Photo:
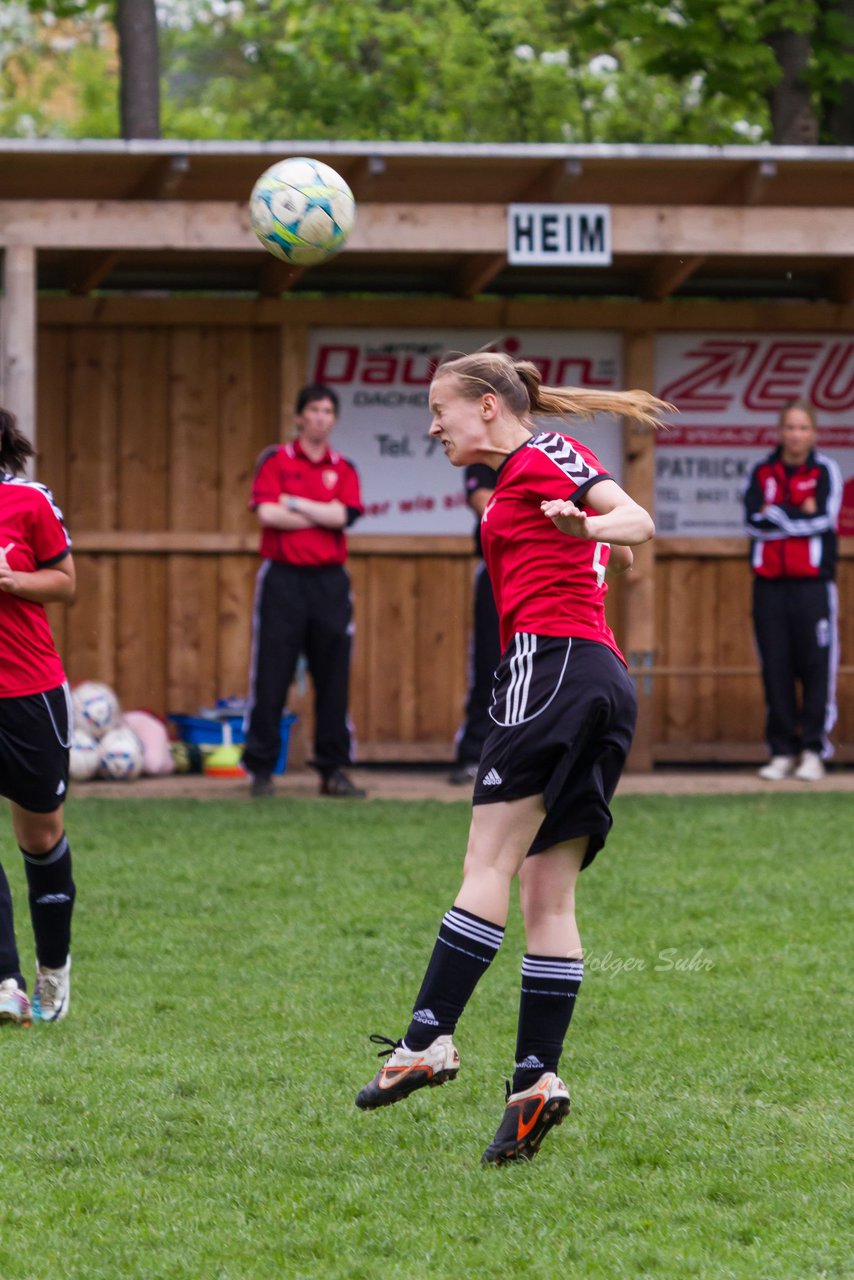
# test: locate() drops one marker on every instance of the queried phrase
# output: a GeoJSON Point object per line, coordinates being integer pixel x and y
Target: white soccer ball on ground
{"type": "Point", "coordinates": [82, 756]}
{"type": "Point", "coordinates": [120, 755]}
{"type": "Point", "coordinates": [301, 210]}
{"type": "Point", "coordinates": [96, 708]}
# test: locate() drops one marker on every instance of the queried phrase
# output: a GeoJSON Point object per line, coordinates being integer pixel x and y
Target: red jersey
{"type": "Point", "coordinates": [545, 581]}
{"type": "Point", "coordinates": [287, 469]}
{"type": "Point", "coordinates": [34, 536]}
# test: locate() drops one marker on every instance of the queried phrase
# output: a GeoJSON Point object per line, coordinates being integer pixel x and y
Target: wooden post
{"type": "Point", "coordinates": [639, 481]}
{"type": "Point", "coordinates": [18, 337]}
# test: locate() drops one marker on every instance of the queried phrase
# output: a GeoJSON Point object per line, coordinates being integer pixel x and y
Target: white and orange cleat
{"type": "Point", "coordinates": [407, 1070]}
{"type": "Point", "coordinates": [528, 1116]}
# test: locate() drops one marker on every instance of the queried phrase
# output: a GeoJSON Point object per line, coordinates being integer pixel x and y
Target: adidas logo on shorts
{"type": "Point", "coordinates": [492, 779]}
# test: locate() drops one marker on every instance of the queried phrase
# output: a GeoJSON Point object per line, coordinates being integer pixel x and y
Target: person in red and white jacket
{"type": "Point", "coordinates": [792, 502]}
{"type": "Point", "coordinates": [36, 568]}
{"type": "Point", "coordinates": [563, 712]}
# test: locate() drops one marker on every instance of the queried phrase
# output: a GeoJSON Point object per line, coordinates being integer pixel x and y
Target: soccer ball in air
{"type": "Point", "coordinates": [82, 756]}
{"type": "Point", "coordinates": [302, 210]}
{"type": "Point", "coordinates": [96, 708]}
{"type": "Point", "coordinates": [120, 755]}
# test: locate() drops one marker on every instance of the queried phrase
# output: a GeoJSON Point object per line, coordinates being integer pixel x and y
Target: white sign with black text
{"type": "Point", "coordinates": [550, 235]}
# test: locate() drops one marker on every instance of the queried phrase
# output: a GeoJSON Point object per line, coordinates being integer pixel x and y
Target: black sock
{"type": "Point", "coordinates": [464, 949]}
{"type": "Point", "coordinates": [51, 902]}
{"type": "Point", "coordinates": [549, 988]}
{"type": "Point", "coordinates": [10, 964]}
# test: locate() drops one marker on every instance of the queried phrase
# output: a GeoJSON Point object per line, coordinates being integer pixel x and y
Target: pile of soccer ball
{"type": "Point", "coordinates": [104, 743]}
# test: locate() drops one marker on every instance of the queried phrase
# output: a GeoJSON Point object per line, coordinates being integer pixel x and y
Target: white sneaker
{"type": "Point", "coordinates": [407, 1070]}
{"type": "Point", "coordinates": [777, 768]}
{"type": "Point", "coordinates": [14, 1004]}
{"type": "Point", "coordinates": [52, 994]}
{"type": "Point", "coordinates": [811, 767]}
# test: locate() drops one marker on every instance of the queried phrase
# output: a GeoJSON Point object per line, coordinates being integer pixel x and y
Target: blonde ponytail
{"type": "Point", "coordinates": [519, 384]}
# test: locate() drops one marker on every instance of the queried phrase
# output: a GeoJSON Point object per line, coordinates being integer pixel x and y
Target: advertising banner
{"type": "Point", "coordinates": [729, 391]}
{"type": "Point", "coordinates": [383, 377]}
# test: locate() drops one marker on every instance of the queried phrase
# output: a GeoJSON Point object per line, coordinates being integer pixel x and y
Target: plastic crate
{"type": "Point", "coordinates": [219, 727]}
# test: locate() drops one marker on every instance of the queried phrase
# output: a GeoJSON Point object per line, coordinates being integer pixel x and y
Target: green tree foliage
{"type": "Point", "coordinates": [755, 52]}
{"type": "Point", "coordinates": [697, 71]}
{"type": "Point", "coordinates": [484, 70]}
{"type": "Point", "coordinates": [58, 74]}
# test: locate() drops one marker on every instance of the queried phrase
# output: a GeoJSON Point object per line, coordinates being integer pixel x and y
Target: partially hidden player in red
{"type": "Point", "coordinates": [562, 719]}
{"type": "Point", "coordinates": [36, 568]}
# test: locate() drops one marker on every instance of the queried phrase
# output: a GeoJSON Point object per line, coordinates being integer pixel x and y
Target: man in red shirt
{"type": "Point", "coordinates": [305, 495]}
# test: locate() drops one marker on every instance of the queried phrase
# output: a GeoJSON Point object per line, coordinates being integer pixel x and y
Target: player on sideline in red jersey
{"type": "Point", "coordinates": [35, 728]}
{"type": "Point", "coordinates": [305, 495]}
{"type": "Point", "coordinates": [562, 719]}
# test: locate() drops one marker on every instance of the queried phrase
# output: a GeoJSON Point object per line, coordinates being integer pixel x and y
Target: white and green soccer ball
{"type": "Point", "coordinates": [302, 211]}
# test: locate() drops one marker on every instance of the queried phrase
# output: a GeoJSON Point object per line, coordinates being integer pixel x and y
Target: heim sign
{"type": "Point", "coordinates": [551, 235]}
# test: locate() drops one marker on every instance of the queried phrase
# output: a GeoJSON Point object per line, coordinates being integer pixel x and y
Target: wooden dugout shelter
{"type": "Point", "coordinates": [152, 348]}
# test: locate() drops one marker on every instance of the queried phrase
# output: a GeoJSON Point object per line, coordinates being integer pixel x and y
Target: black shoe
{"type": "Point", "coordinates": [337, 783]}
{"type": "Point", "coordinates": [262, 785]}
{"type": "Point", "coordinates": [463, 775]}
{"type": "Point", "coordinates": [527, 1118]}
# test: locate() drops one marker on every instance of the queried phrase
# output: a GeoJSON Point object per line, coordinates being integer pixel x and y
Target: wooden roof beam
{"type": "Point", "coordinates": [278, 277]}
{"type": "Point", "coordinates": [477, 272]}
{"type": "Point", "coordinates": [668, 274]}
{"type": "Point", "coordinates": [840, 285]}
{"type": "Point", "coordinates": [554, 183]}
{"type": "Point", "coordinates": [163, 179]}
{"type": "Point", "coordinates": [88, 271]}
{"type": "Point", "coordinates": [461, 230]}
{"type": "Point", "coordinates": [365, 171]}
{"type": "Point", "coordinates": [751, 186]}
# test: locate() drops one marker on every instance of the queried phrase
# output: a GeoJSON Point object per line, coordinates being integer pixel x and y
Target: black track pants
{"type": "Point", "coordinates": [795, 621]}
{"type": "Point", "coordinates": [300, 610]}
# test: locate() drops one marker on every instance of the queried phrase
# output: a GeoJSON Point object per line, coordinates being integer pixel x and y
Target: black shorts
{"type": "Point", "coordinates": [562, 719]}
{"type": "Point", "coordinates": [35, 734]}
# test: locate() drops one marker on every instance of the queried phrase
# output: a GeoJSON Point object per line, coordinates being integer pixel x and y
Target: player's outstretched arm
{"type": "Point", "coordinates": [615, 517]}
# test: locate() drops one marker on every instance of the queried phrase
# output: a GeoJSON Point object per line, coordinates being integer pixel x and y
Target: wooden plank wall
{"type": "Point", "coordinates": [148, 437]}
{"type": "Point", "coordinates": [148, 434]}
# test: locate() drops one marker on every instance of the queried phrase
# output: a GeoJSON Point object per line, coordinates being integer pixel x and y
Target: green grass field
{"type": "Point", "coordinates": [194, 1116]}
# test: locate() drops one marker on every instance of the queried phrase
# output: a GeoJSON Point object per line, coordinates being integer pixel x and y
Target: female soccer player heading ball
{"type": "Point", "coordinates": [562, 720]}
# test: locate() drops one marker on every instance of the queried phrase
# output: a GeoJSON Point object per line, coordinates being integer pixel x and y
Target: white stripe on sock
{"type": "Point", "coordinates": [479, 930]}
